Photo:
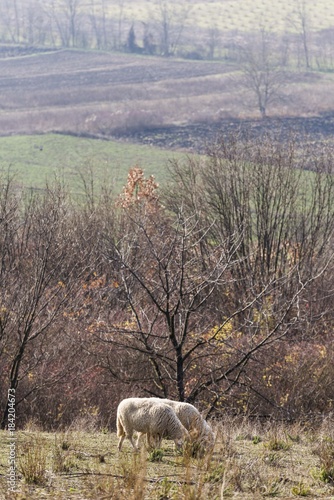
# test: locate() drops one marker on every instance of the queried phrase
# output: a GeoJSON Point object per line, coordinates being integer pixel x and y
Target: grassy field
{"type": "Point", "coordinates": [249, 461]}
{"type": "Point", "coordinates": [99, 93]}
{"type": "Point", "coordinates": [103, 94]}
{"type": "Point", "coordinates": [34, 159]}
{"type": "Point", "coordinates": [243, 15]}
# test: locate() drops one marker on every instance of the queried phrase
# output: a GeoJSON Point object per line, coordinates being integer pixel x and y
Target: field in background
{"type": "Point", "coordinates": [241, 15]}
{"type": "Point", "coordinates": [103, 94]}
{"type": "Point", "coordinates": [48, 84]}
{"type": "Point", "coordinates": [34, 159]}
{"type": "Point", "coordinates": [250, 460]}
{"type": "Point", "coordinates": [98, 92]}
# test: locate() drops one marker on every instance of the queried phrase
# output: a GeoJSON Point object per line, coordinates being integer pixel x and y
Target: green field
{"type": "Point", "coordinates": [35, 159]}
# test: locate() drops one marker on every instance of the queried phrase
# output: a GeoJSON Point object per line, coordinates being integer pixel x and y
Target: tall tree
{"type": "Point", "coordinates": [170, 22]}
{"type": "Point", "coordinates": [41, 272]}
{"type": "Point", "coordinates": [200, 298]}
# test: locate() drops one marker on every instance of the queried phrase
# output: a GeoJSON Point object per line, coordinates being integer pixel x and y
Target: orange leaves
{"type": "Point", "coordinates": [138, 189]}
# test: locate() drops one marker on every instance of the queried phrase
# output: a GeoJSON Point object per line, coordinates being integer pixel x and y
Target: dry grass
{"type": "Point", "coordinates": [250, 460]}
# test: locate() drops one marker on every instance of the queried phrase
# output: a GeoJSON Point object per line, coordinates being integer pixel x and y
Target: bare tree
{"type": "Point", "coordinates": [213, 41]}
{"type": "Point", "coordinates": [284, 258]}
{"type": "Point", "coordinates": [170, 21]}
{"type": "Point", "coordinates": [66, 17]}
{"type": "Point", "coordinates": [98, 20]}
{"type": "Point", "coordinates": [12, 23]}
{"type": "Point", "coordinates": [35, 24]}
{"type": "Point", "coordinates": [41, 272]}
{"type": "Point", "coordinates": [263, 71]}
{"type": "Point", "coordinates": [120, 21]}
{"type": "Point", "coordinates": [259, 186]}
{"type": "Point", "coordinates": [300, 21]}
{"type": "Point", "coordinates": [197, 307]}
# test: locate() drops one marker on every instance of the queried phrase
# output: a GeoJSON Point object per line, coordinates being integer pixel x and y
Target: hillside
{"type": "Point", "coordinates": [102, 94]}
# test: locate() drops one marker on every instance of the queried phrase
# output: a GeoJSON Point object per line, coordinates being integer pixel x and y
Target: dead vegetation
{"type": "Point", "coordinates": [250, 459]}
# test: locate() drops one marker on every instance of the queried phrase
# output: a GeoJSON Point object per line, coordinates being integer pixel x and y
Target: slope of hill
{"type": "Point", "coordinates": [106, 94]}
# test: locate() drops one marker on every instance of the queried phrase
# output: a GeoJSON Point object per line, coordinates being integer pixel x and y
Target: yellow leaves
{"type": "Point", "coordinates": [3, 314]}
{"type": "Point", "coordinates": [268, 380]}
{"type": "Point", "coordinates": [284, 399]}
{"type": "Point", "coordinates": [88, 410]}
{"type": "Point", "coordinates": [289, 358]}
{"type": "Point", "coordinates": [322, 351]}
{"type": "Point", "coordinates": [97, 283]}
{"type": "Point", "coordinates": [221, 332]}
{"type": "Point", "coordinates": [96, 326]}
{"type": "Point", "coordinates": [264, 317]}
{"type": "Point", "coordinates": [126, 325]}
{"type": "Point", "coordinates": [60, 411]}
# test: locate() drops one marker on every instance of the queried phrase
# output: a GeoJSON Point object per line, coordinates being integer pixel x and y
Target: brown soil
{"type": "Point", "coordinates": [198, 136]}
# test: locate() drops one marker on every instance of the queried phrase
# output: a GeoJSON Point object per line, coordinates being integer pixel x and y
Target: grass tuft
{"type": "Point", "coordinates": [32, 462]}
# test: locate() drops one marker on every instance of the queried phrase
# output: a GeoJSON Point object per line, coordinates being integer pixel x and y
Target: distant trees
{"type": "Point", "coordinates": [163, 30]}
{"type": "Point", "coordinates": [170, 21]}
{"type": "Point", "coordinates": [300, 20]}
{"type": "Point", "coordinates": [263, 71]}
{"type": "Point", "coordinates": [11, 19]}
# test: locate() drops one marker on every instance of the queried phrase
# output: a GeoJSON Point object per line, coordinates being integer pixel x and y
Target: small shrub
{"type": "Point", "coordinates": [156, 455]}
{"type": "Point", "coordinates": [32, 425]}
{"type": "Point", "coordinates": [194, 449]}
{"type": "Point", "coordinates": [63, 461]}
{"type": "Point", "coordinates": [294, 439]}
{"type": "Point", "coordinates": [273, 459]}
{"type": "Point", "coordinates": [65, 445]}
{"type": "Point", "coordinates": [300, 490]}
{"type": "Point", "coordinates": [325, 451]}
{"type": "Point", "coordinates": [133, 471]}
{"type": "Point", "coordinates": [32, 463]}
{"type": "Point", "coordinates": [272, 489]}
{"type": "Point", "coordinates": [256, 440]}
{"type": "Point", "coordinates": [276, 443]}
{"type": "Point", "coordinates": [216, 474]}
{"type": "Point", "coordinates": [166, 487]}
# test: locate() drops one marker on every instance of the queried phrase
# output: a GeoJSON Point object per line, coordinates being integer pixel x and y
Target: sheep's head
{"type": "Point", "coordinates": [182, 442]}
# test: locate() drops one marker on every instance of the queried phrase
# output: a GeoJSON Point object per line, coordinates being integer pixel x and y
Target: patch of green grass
{"type": "Point", "coordinates": [156, 455]}
{"type": "Point", "coordinates": [38, 158]}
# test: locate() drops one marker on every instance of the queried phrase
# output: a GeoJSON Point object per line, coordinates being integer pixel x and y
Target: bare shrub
{"type": "Point", "coordinates": [33, 460]}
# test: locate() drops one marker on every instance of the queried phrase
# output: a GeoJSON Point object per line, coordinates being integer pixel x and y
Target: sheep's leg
{"type": "Point", "coordinates": [120, 442]}
{"type": "Point", "coordinates": [121, 439]}
{"type": "Point", "coordinates": [157, 441]}
{"type": "Point", "coordinates": [133, 444]}
{"type": "Point", "coordinates": [139, 438]}
{"type": "Point", "coordinates": [129, 436]}
{"type": "Point", "coordinates": [152, 440]}
{"type": "Point", "coordinates": [148, 440]}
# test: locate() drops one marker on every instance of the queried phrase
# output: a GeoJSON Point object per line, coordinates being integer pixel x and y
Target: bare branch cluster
{"type": "Point", "coordinates": [217, 289]}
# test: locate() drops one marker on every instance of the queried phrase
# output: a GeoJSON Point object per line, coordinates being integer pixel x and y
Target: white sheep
{"type": "Point", "coordinates": [146, 416]}
{"type": "Point", "coordinates": [199, 430]}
